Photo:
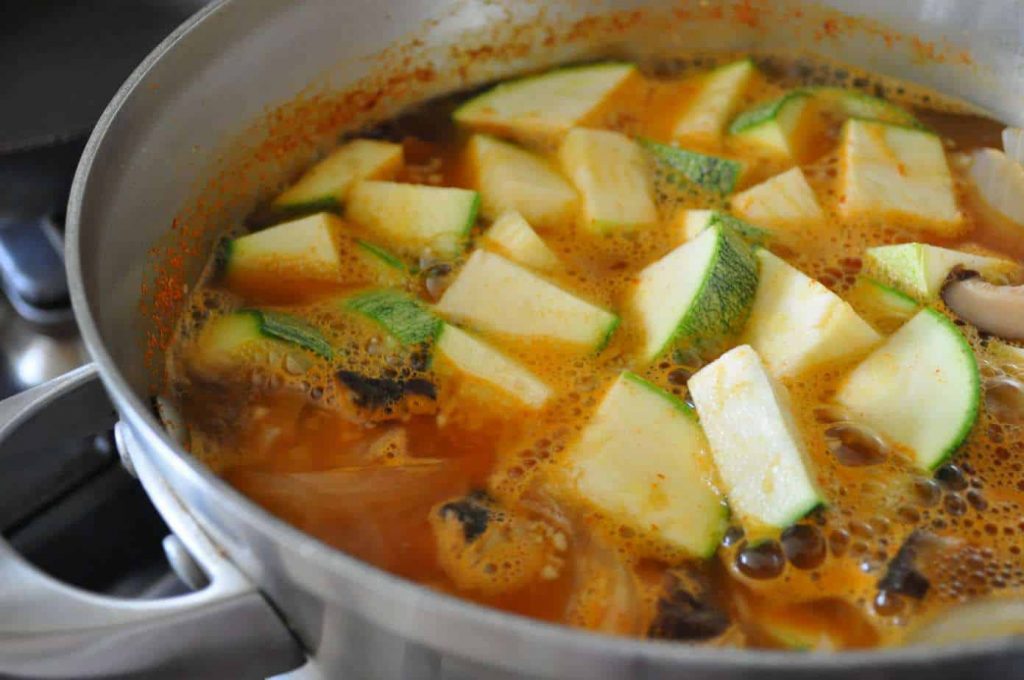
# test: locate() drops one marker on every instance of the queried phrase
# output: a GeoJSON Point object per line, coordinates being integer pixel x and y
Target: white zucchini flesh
{"type": "Point", "coordinates": [797, 324]}
{"type": "Point", "coordinates": [492, 294]}
{"type": "Point", "coordinates": [920, 389]}
{"type": "Point", "coordinates": [414, 219]}
{"type": "Point", "coordinates": [509, 177]}
{"type": "Point", "coordinates": [999, 182]}
{"type": "Point", "coordinates": [721, 91]}
{"type": "Point", "coordinates": [894, 171]}
{"type": "Point", "coordinates": [542, 107]}
{"type": "Point", "coordinates": [327, 183]}
{"type": "Point", "coordinates": [760, 456]}
{"type": "Point", "coordinates": [920, 270]}
{"type": "Point", "coordinates": [643, 461]}
{"type": "Point", "coordinates": [475, 358]}
{"type": "Point", "coordinates": [512, 236]}
{"type": "Point", "coordinates": [611, 173]}
{"type": "Point", "coordinates": [697, 296]}
{"type": "Point", "coordinates": [783, 202]}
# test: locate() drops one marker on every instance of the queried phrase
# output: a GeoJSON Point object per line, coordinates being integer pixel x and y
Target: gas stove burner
{"type": "Point", "coordinates": [32, 271]}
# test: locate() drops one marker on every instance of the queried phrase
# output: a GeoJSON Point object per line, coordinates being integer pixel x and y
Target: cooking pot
{"type": "Point", "coordinates": [232, 104]}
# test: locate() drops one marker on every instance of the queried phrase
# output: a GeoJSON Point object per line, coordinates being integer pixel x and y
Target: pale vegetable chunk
{"type": "Point", "coordinates": [326, 184]}
{"type": "Point", "coordinates": [919, 269]}
{"type": "Point", "coordinates": [920, 389]}
{"type": "Point", "coordinates": [296, 253]}
{"type": "Point", "coordinates": [511, 178]}
{"type": "Point", "coordinates": [492, 294]}
{"type": "Point", "coordinates": [611, 174]}
{"type": "Point", "coordinates": [883, 303]}
{"type": "Point", "coordinates": [688, 224]}
{"type": "Point", "coordinates": [512, 236]}
{"type": "Point", "coordinates": [1013, 143]}
{"type": "Point", "coordinates": [757, 448]}
{"type": "Point", "coordinates": [475, 358]}
{"type": "Point", "coordinates": [412, 218]}
{"type": "Point", "coordinates": [893, 171]}
{"type": "Point", "coordinates": [721, 91]}
{"type": "Point", "coordinates": [542, 107]}
{"type": "Point", "coordinates": [643, 461]}
{"type": "Point", "coordinates": [773, 125]}
{"type": "Point", "coordinates": [696, 296]}
{"type": "Point", "coordinates": [797, 324]}
{"type": "Point", "coordinates": [784, 202]}
{"type": "Point", "coordinates": [999, 182]}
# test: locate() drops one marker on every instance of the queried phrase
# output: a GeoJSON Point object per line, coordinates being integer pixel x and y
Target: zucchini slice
{"type": "Point", "coordinates": [611, 174]}
{"type": "Point", "coordinates": [511, 178]}
{"type": "Point", "coordinates": [542, 107]}
{"type": "Point", "coordinates": [697, 296]}
{"type": "Point", "coordinates": [642, 460]}
{"type": "Point", "coordinates": [761, 459]}
{"type": "Point", "coordinates": [785, 202]}
{"type": "Point", "coordinates": [721, 91]}
{"type": "Point", "coordinates": [244, 336]}
{"type": "Point", "coordinates": [920, 389]}
{"type": "Point", "coordinates": [326, 185]}
{"type": "Point", "coordinates": [404, 317]}
{"type": "Point", "coordinates": [893, 171]}
{"type": "Point", "coordinates": [881, 303]}
{"type": "Point", "coordinates": [920, 270]}
{"type": "Point", "coordinates": [713, 174]}
{"type": "Point", "coordinates": [690, 223]}
{"type": "Point", "coordinates": [797, 324]}
{"type": "Point", "coordinates": [303, 253]}
{"type": "Point", "coordinates": [495, 295]}
{"type": "Point", "coordinates": [512, 236]}
{"type": "Point", "coordinates": [473, 357]}
{"type": "Point", "coordinates": [412, 219]}
{"type": "Point", "coordinates": [773, 125]}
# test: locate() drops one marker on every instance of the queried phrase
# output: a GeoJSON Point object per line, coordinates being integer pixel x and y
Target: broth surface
{"type": "Point", "coordinates": [401, 485]}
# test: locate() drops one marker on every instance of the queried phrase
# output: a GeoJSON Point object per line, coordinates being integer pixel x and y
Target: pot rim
{"type": "Point", "coordinates": [372, 578]}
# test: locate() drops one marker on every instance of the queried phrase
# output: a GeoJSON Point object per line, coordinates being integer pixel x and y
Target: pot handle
{"type": "Point", "coordinates": [51, 630]}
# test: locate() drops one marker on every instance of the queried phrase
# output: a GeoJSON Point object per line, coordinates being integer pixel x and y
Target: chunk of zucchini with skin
{"type": "Point", "coordinates": [404, 317]}
{"type": "Point", "coordinates": [707, 114]}
{"type": "Point", "coordinates": [512, 236]}
{"type": "Point", "coordinates": [920, 270]}
{"type": "Point", "coordinates": [780, 125]}
{"type": "Point", "coordinates": [892, 171]}
{"type": "Point", "coordinates": [697, 296]}
{"type": "Point", "coordinates": [998, 181]}
{"type": "Point", "coordinates": [920, 389]}
{"type": "Point", "coordinates": [232, 339]}
{"type": "Point", "coordinates": [475, 358]}
{"type": "Point", "coordinates": [493, 294]}
{"type": "Point", "coordinates": [773, 125]}
{"type": "Point", "coordinates": [712, 174]}
{"type": "Point", "coordinates": [761, 459]}
{"type": "Point", "coordinates": [509, 177]}
{"type": "Point", "coordinates": [303, 251]}
{"type": "Point", "coordinates": [612, 176]}
{"type": "Point", "coordinates": [326, 185]}
{"type": "Point", "coordinates": [797, 324]}
{"type": "Point", "coordinates": [542, 107]}
{"type": "Point", "coordinates": [691, 223]}
{"type": "Point", "coordinates": [413, 218]}
{"type": "Point", "coordinates": [881, 301]}
{"type": "Point", "coordinates": [642, 460]}
{"type": "Point", "coordinates": [783, 202]}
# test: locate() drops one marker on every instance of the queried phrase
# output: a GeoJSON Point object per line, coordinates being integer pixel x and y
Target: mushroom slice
{"type": "Point", "coordinates": [998, 310]}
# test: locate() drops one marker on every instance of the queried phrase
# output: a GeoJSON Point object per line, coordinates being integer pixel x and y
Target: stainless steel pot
{"type": "Point", "coordinates": [196, 108]}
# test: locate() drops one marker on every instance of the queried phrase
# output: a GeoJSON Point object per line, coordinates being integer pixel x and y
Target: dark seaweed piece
{"type": "Point", "coordinates": [221, 256]}
{"type": "Point", "coordinates": [685, 613]}
{"type": "Point", "coordinates": [384, 392]}
{"type": "Point", "coordinates": [902, 575]}
{"type": "Point", "coordinates": [472, 512]}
